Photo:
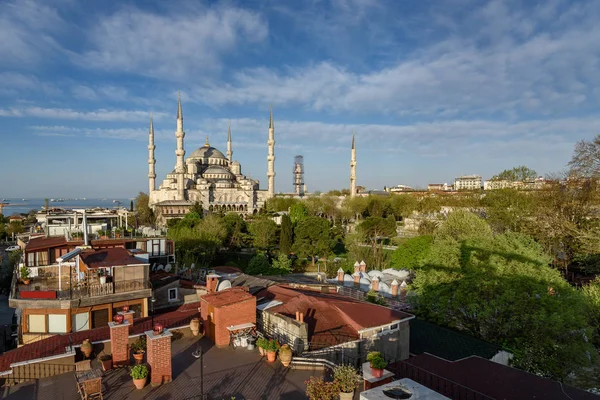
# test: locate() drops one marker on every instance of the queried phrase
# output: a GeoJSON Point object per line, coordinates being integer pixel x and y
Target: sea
{"type": "Point", "coordinates": [24, 206]}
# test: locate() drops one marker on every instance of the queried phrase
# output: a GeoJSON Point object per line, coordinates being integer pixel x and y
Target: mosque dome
{"type": "Point", "coordinates": [206, 152]}
{"type": "Point", "coordinates": [217, 172]}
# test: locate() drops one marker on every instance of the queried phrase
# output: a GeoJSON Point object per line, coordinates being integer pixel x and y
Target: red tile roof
{"type": "Point", "coordinates": [110, 257]}
{"type": "Point", "coordinates": [56, 345]}
{"type": "Point", "coordinates": [227, 297]}
{"type": "Point", "coordinates": [331, 318]}
{"type": "Point", "coordinates": [496, 380]}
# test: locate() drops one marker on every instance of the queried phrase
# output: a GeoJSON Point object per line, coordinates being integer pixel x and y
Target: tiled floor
{"type": "Point", "coordinates": [227, 373]}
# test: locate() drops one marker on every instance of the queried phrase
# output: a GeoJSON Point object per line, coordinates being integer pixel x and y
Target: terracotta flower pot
{"type": "Point", "coordinates": [118, 318]}
{"type": "Point", "coordinates": [107, 364]}
{"type": "Point", "coordinates": [377, 372]}
{"type": "Point", "coordinates": [271, 356]}
{"type": "Point", "coordinates": [86, 348]}
{"type": "Point", "coordinates": [140, 383]}
{"type": "Point", "coordinates": [138, 357]}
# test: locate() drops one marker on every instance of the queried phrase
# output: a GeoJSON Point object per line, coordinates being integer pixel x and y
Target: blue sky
{"type": "Point", "coordinates": [433, 89]}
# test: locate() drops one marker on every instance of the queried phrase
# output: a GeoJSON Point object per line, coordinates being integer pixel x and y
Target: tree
{"type": "Point", "coordinates": [412, 252]}
{"type": "Point", "coordinates": [285, 237]}
{"type": "Point", "coordinates": [517, 174]}
{"type": "Point", "coordinates": [298, 212]}
{"type": "Point", "coordinates": [377, 206]}
{"type": "Point", "coordinates": [357, 205]}
{"type": "Point", "coordinates": [283, 263]}
{"type": "Point", "coordinates": [276, 204]}
{"type": "Point", "coordinates": [236, 230]}
{"type": "Point", "coordinates": [585, 162]}
{"type": "Point", "coordinates": [461, 225]}
{"type": "Point", "coordinates": [374, 230]}
{"type": "Point", "coordinates": [198, 243]}
{"type": "Point", "coordinates": [508, 209]}
{"type": "Point", "coordinates": [131, 206]}
{"type": "Point", "coordinates": [14, 228]}
{"type": "Point", "coordinates": [402, 205]}
{"type": "Point", "coordinates": [196, 208]}
{"type": "Point", "coordinates": [2, 228]}
{"type": "Point", "coordinates": [143, 213]}
{"type": "Point", "coordinates": [263, 232]}
{"type": "Point", "coordinates": [313, 238]}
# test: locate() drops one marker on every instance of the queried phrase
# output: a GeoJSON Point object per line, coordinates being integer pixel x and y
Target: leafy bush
{"type": "Point", "coordinates": [261, 342]}
{"type": "Point", "coordinates": [139, 372]}
{"type": "Point", "coordinates": [272, 345]}
{"type": "Point", "coordinates": [139, 346]}
{"type": "Point", "coordinates": [378, 362]}
{"type": "Point", "coordinates": [318, 389]}
{"type": "Point", "coordinates": [373, 297]}
{"type": "Point", "coordinates": [346, 377]}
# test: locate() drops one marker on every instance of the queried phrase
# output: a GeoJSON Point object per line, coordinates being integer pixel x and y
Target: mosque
{"type": "Point", "coordinates": [207, 177]}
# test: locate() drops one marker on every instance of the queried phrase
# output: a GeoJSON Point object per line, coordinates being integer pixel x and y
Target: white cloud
{"type": "Point", "coordinates": [170, 45]}
{"type": "Point", "coordinates": [70, 114]}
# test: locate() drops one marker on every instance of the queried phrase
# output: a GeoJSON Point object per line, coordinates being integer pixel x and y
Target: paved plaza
{"type": "Point", "coordinates": [228, 373]}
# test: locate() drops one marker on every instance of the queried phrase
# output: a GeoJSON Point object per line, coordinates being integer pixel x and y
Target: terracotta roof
{"type": "Point", "coordinates": [40, 243]}
{"type": "Point", "coordinates": [56, 345]}
{"type": "Point", "coordinates": [110, 257]}
{"type": "Point", "coordinates": [227, 297]}
{"type": "Point", "coordinates": [496, 380]}
{"type": "Point", "coordinates": [331, 318]}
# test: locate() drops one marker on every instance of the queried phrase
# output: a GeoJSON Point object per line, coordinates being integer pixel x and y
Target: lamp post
{"type": "Point", "coordinates": [200, 354]}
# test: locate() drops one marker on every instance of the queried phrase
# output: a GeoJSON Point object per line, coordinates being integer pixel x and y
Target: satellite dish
{"type": "Point", "coordinates": [225, 284]}
{"type": "Point", "coordinates": [168, 268]}
{"type": "Point", "coordinates": [160, 267]}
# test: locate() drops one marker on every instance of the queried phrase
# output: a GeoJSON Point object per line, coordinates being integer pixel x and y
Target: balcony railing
{"type": "Point", "coordinates": [83, 290]}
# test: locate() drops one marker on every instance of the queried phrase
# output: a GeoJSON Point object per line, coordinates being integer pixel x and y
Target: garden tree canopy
{"type": "Point", "coordinates": [429, 205]}
{"type": "Point", "coordinates": [259, 265]}
{"type": "Point", "coordinates": [357, 205]}
{"type": "Point", "coordinates": [276, 204]}
{"type": "Point", "coordinates": [313, 238]}
{"type": "Point", "coordinates": [402, 205]}
{"type": "Point", "coordinates": [143, 213]}
{"type": "Point", "coordinates": [298, 212]}
{"type": "Point", "coordinates": [197, 209]}
{"type": "Point", "coordinates": [377, 206]}
{"type": "Point", "coordinates": [14, 228]}
{"type": "Point", "coordinates": [509, 209]}
{"type": "Point", "coordinates": [198, 243]}
{"type": "Point", "coordinates": [412, 252]}
{"type": "Point", "coordinates": [500, 288]}
{"type": "Point", "coordinates": [263, 231]}
{"type": "Point", "coordinates": [373, 230]}
{"type": "Point", "coordinates": [236, 230]}
{"type": "Point", "coordinates": [585, 162]}
{"type": "Point", "coordinates": [592, 294]}
{"type": "Point", "coordinates": [520, 173]}
{"type": "Point", "coordinates": [285, 236]}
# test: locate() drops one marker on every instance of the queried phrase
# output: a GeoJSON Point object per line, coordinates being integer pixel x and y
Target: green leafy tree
{"type": "Point", "coordinates": [585, 162]}
{"type": "Point", "coordinates": [282, 262]}
{"type": "Point", "coordinates": [357, 206]}
{"type": "Point", "coordinates": [377, 206]}
{"type": "Point", "coordinates": [298, 212]}
{"type": "Point", "coordinates": [509, 209]}
{"type": "Point", "coordinates": [402, 205]}
{"type": "Point", "coordinates": [143, 213]}
{"type": "Point", "coordinates": [263, 231]}
{"type": "Point", "coordinates": [313, 238]}
{"type": "Point", "coordinates": [14, 228]}
{"type": "Point", "coordinates": [373, 230]}
{"type": "Point", "coordinates": [196, 208]}
{"type": "Point", "coordinates": [461, 225]}
{"type": "Point", "coordinates": [285, 236]}
{"type": "Point", "coordinates": [198, 243]}
{"type": "Point", "coordinates": [276, 204]}
{"type": "Point", "coordinates": [236, 230]}
{"type": "Point", "coordinates": [517, 174]}
{"type": "Point", "coordinates": [258, 265]}
{"type": "Point", "coordinates": [412, 252]}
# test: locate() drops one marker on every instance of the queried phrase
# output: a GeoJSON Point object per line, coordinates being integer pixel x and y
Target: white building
{"type": "Point", "coordinates": [467, 182]}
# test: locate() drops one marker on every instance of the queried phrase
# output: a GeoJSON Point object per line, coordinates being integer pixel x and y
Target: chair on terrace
{"type": "Point", "coordinates": [92, 389]}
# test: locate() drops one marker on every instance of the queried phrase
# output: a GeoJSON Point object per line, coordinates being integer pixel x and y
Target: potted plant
{"type": "Point", "coordinates": [261, 344]}
{"type": "Point", "coordinates": [377, 363]}
{"type": "Point", "coordinates": [271, 349]}
{"type": "Point", "coordinates": [106, 360]}
{"type": "Point", "coordinates": [318, 389]}
{"type": "Point", "coordinates": [347, 379]}
{"type": "Point", "coordinates": [24, 272]}
{"type": "Point", "coordinates": [118, 232]}
{"type": "Point", "coordinates": [102, 234]}
{"type": "Point", "coordinates": [285, 355]}
{"type": "Point", "coordinates": [138, 348]}
{"type": "Point", "coordinates": [139, 373]}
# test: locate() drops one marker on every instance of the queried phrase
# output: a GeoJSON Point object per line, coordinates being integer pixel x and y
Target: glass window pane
{"type": "Point", "coordinates": [57, 323]}
{"type": "Point", "coordinates": [37, 323]}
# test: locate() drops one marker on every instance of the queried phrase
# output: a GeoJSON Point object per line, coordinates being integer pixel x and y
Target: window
{"type": "Point", "coordinates": [57, 323]}
{"type": "Point", "coordinates": [81, 322]}
{"type": "Point", "coordinates": [173, 294]}
{"type": "Point", "coordinates": [37, 323]}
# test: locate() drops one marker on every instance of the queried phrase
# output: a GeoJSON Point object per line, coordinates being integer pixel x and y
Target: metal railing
{"type": "Point", "coordinates": [435, 382]}
{"type": "Point", "coordinates": [28, 372]}
{"type": "Point", "coordinates": [94, 289]}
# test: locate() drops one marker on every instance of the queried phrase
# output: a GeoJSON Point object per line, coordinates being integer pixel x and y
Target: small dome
{"type": "Point", "coordinates": [206, 152]}
{"type": "Point", "coordinates": [217, 172]}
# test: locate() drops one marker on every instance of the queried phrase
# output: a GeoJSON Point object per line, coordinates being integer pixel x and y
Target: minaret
{"type": "Point", "coordinates": [151, 160]}
{"type": "Point", "coordinates": [271, 157]}
{"type": "Point", "coordinates": [353, 169]}
{"type": "Point", "coordinates": [180, 152]}
{"type": "Point", "coordinates": [229, 152]}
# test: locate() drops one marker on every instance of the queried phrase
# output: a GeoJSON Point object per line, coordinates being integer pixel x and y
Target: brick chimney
{"type": "Point", "coordinates": [297, 315]}
{"type": "Point", "coordinates": [212, 280]}
{"type": "Point", "coordinates": [356, 277]}
{"type": "Point", "coordinates": [356, 267]}
{"type": "Point", "coordinates": [395, 288]}
{"type": "Point", "coordinates": [158, 353]}
{"type": "Point", "coordinates": [301, 317]}
{"type": "Point", "coordinates": [363, 266]}
{"type": "Point", "coordinates": [119, 341]}
{"type": "Point", "coordinates": [403, 290]}
{"type": "Point", "coordinates": [375, 284]}
{"type": "Point", "coordinates": [340, 275]}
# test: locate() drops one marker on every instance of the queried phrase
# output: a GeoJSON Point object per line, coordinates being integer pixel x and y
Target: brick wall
{"type": "Point", "coordinates": [158, 353]}
{"type": "Point", "coordinates": [224, 316]}
{"type": "Point", "coordinates": [119, 339]}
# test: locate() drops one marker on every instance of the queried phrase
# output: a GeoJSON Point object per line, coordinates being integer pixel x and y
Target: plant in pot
{"type": "Point", "coordinates": [377, 363]}
{"type": "Point", "coordinates": [261, 343]}
{"type": "Point", "coordinates": [318, 389]}
{"type": "Point", "coordinates": [118, 232]}
{"type": "Point", "coordinates": [139, 373]}
{"type": "Point", "coordinates": [138, 348]}
{"type": "Point", "coordinates": [106, 360]}
{"type": "Point", "coordinates": [271, 349]}
{"type": "Point", "coordinates": [285, 355]}
{"type": "Point", "coordinates": [347, 379]}
{"type": "Point", "coordinates": [24, 272]}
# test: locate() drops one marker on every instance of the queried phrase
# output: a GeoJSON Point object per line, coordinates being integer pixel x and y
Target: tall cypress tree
{"type": "Point", "coordinates": [285, 238]}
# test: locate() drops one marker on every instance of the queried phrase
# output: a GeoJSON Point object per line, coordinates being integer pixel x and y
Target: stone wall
{"type": "Point", "coordinates": [285, 329]}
